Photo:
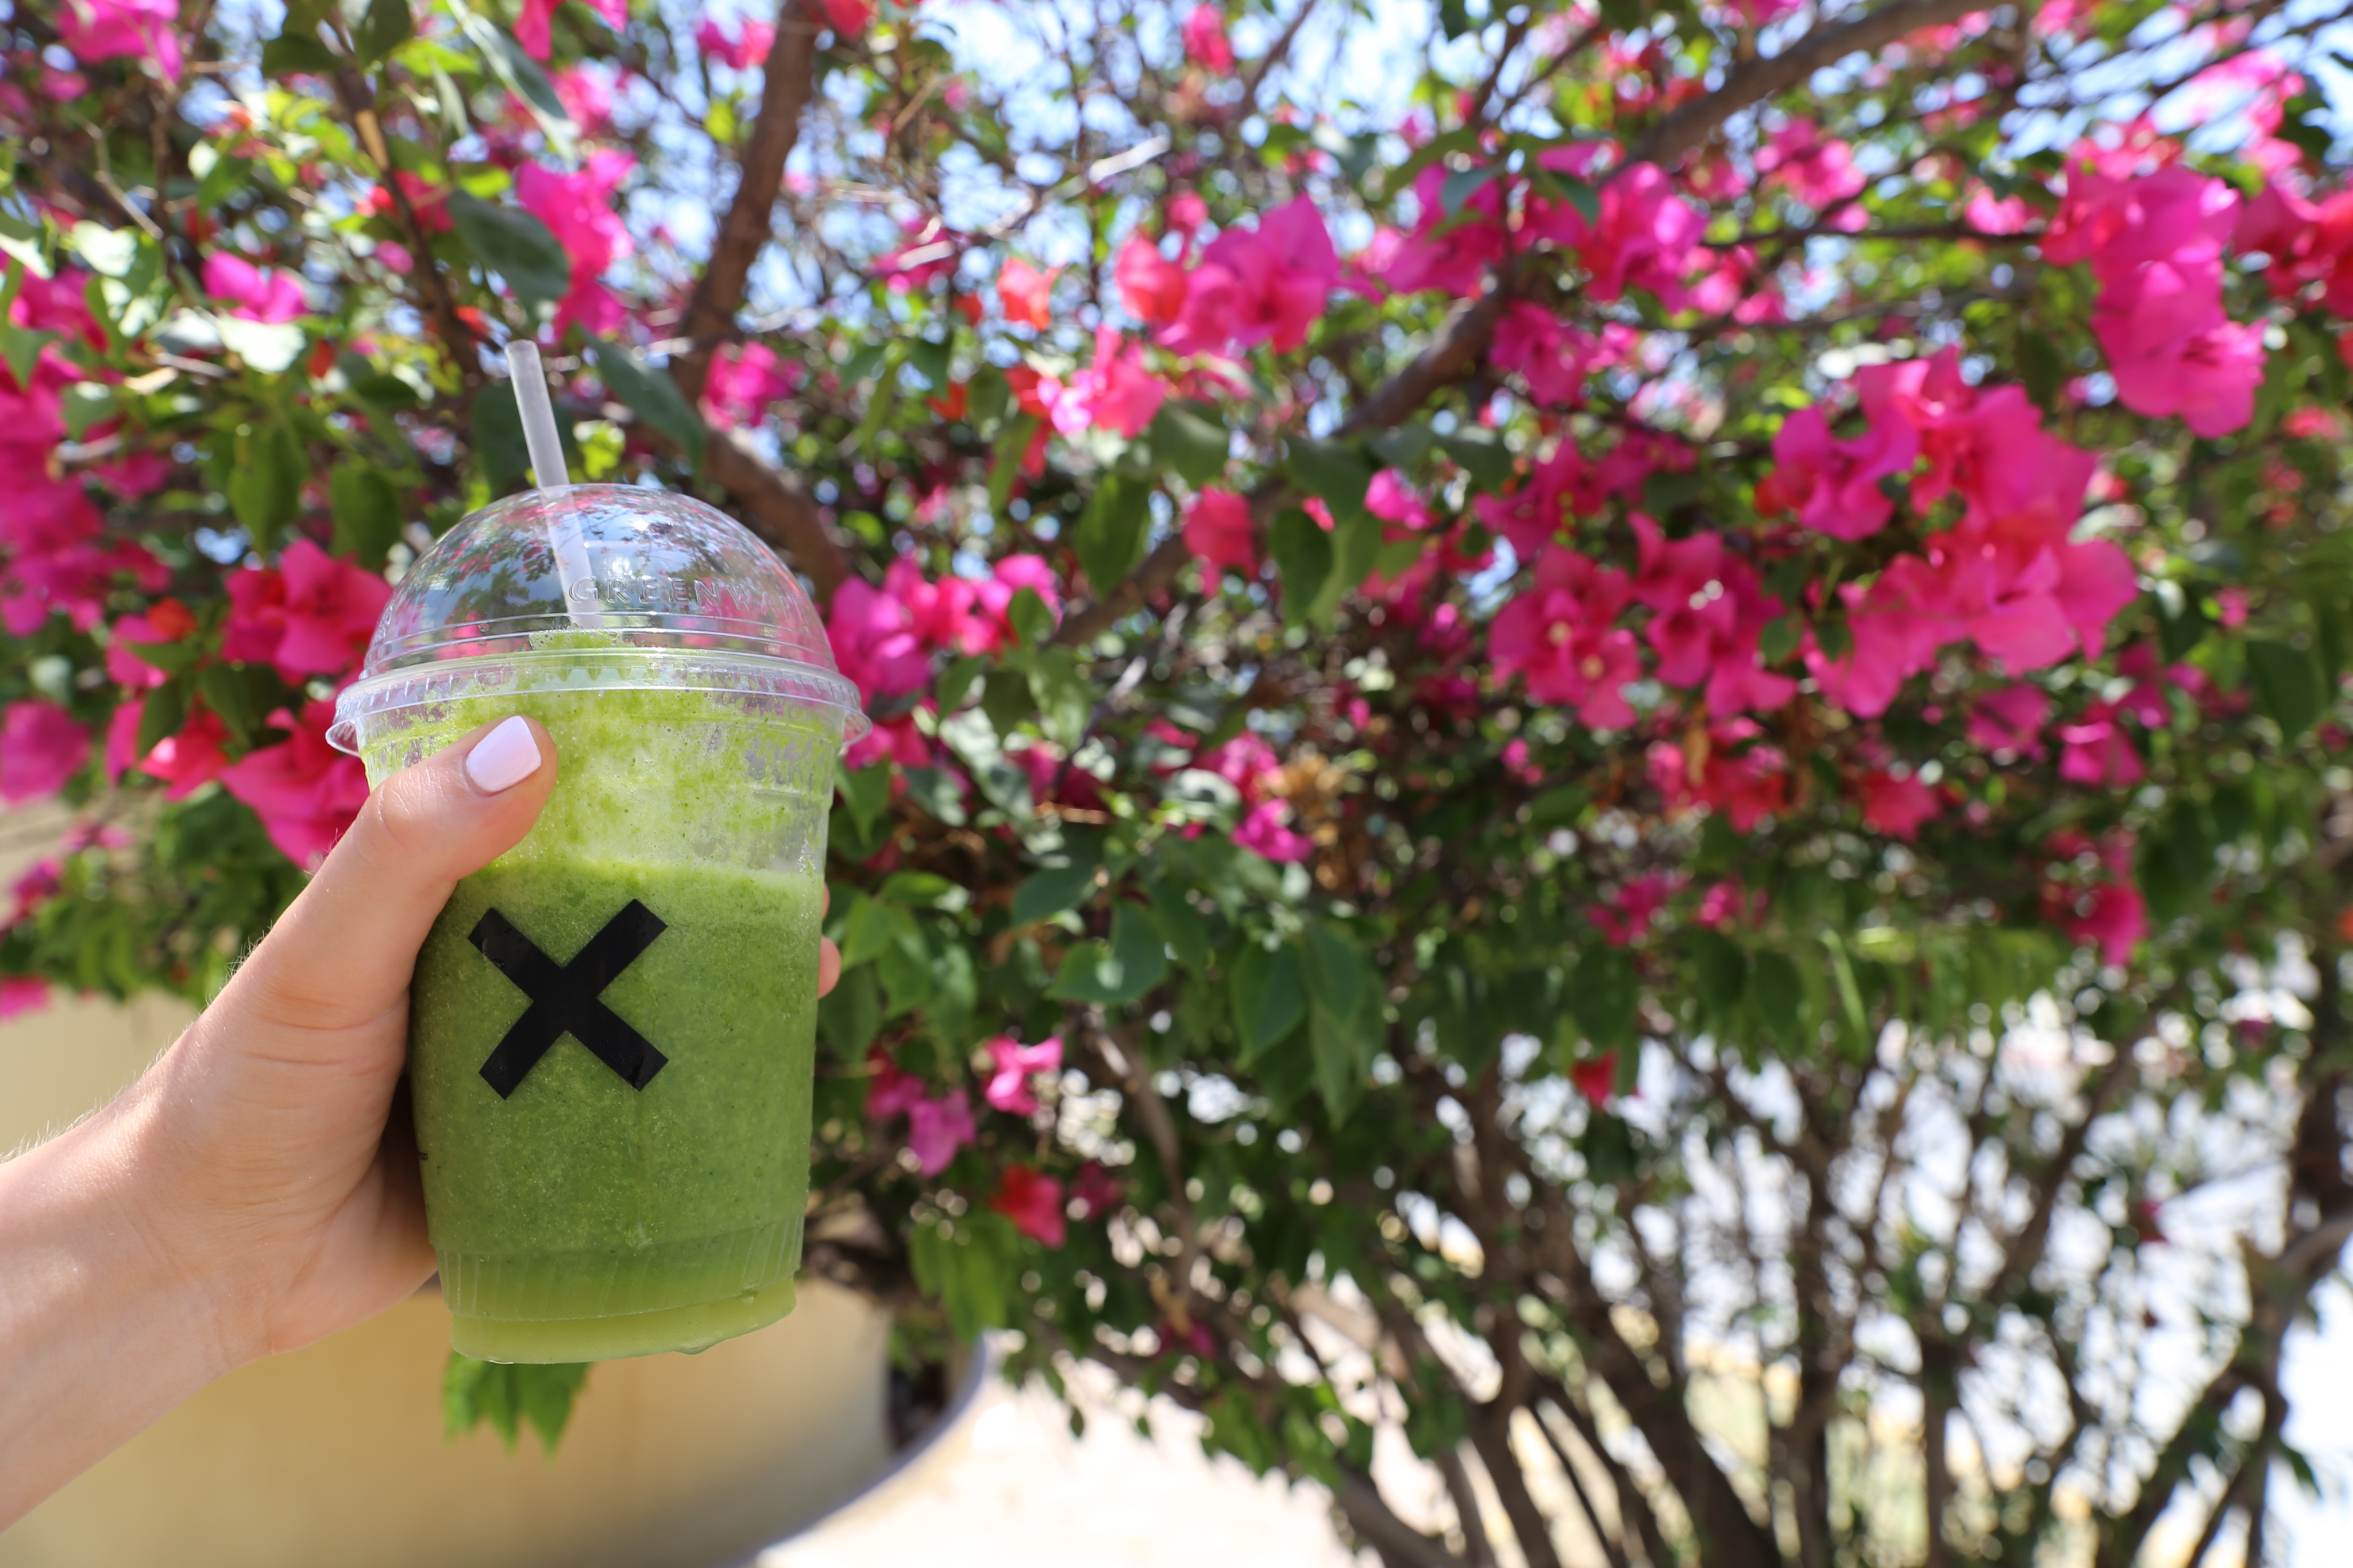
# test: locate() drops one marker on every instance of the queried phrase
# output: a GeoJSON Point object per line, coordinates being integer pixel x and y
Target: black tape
{"type": "Point", "coordinates": [566, 999]}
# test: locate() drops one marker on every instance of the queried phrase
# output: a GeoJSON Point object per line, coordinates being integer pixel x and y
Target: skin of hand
{"type": "Point", "coordinates": [254, 1191]}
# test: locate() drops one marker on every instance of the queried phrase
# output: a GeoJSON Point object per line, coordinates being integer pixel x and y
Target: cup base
{"type": "Point", "coordinates": [688, 1329]}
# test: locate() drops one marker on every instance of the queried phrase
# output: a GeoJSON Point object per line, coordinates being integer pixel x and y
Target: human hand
{"type": "Point", "coordinates": [254, 1191]}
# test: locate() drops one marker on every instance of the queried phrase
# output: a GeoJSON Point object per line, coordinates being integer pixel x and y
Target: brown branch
{"type": "Point", "coordinates": [1632, 1504]}
{"type": "Point", "coordinates": [1478, 1550]}
{"type": "Point", "coordinates": [790, 79]}
{"type": "Point", "coordinates": [1688, 127]}
{"type": "Point", "coordinates": [1613, 1550]}
{"type": "Point", "coordinates": [1377, 1525]}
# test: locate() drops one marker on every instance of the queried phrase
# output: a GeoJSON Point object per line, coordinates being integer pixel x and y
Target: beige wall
{"type": "Point", "coordinates": [336, 1458]}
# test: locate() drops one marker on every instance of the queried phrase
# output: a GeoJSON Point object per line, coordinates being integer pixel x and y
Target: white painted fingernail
{"type": "Point", "coordinates": [504, 758]}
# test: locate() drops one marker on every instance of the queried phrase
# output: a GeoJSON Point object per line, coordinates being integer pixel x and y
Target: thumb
{"type": "Point", "coordinates": [344, 951]}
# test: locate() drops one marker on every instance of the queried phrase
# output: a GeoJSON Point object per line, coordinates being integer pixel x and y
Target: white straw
{"type": "Point", "coordinates": [547, 471]}
{"type": "Point", "coordinates": [539, 433]}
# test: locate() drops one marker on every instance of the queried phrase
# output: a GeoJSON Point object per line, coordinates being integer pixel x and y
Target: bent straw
{"type": "Point", "coordinates": [547, 472]}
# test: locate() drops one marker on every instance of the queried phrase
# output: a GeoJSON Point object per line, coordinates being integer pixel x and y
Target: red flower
{"type": "Point", "coordinates": [1033, 1202]}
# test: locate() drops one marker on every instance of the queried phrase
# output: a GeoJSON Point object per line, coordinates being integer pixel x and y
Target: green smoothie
{"type": "Point", "coordinates": [585, 1214]}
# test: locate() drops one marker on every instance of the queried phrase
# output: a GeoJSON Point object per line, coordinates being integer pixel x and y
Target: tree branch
{"type": "Point", "coordinates": [1377, 1525]}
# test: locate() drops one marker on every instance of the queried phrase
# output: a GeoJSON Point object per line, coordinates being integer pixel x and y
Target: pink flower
{"type": "Point", "coordinates": [1818, 170]}
{"type": "Point", "coordinates": [2112, 917]}
{"type": "Point", "coordinates": [1115, 392]}
{"type": "Point", "coordinates": [577, 209]}
{"type": "Point", "coordinates": [1096, 1191]}
{"type": "Point", "coordinates": [874, 642]}
{"type": "Point", "coordinates": [22, 994]}
{"type": "Point", "coordinates": [747, 50]}
{"type": "Point", "coordinates": [936, 1129]}
{"type": "Point", "coordinates": [116, 29]}
{"type": "Point", "coordinates": [928, 250]}
{"type": "Point", "coordinates": [1833, 485]}
{"type": "Point", "coordinates": [1645, 237]}
{"type": "Point", "coordinates": [1205, 39]}
{"type": "Point", "coordinates": [1709, 608]}
{"type": "Point", "coordinates": [305, 791]}
{"type": "Point", "coordinates": [189, 760]}
{"type": "Point", "coordinates": [1560, 634]}
{"type": "Point", "coordinates": [166, 621]}
{"type": "Point", "coordinates": [2230, 608]}
{"type": "Point", "coordinates": [1151, 287]}
{"type": "Point", "coordinates": [1033, 1202]}
{"type": "Point", "coordinates": [1726, 903]}
{"type": "Point", "coordinates": [1596, 1079]}
{"type": "Point", "coordinates": [744, 380]}
{"type": "Point", "coordinates": [1896, 806]}
{"type": "Point", "coordinates": [534, 26]}
{"type": "Point", "coordinates": [2011, 720]}
{"type": "Point", "coordinates": [40, 748]}
{"type": "Point", "coordinates": [1247, 763]}
{"type": "Point", "coordinates": [1747, 782]}
{"type": "Point", "coordinates": [993, 596]}
{"type": "Point", "coordinates": [891, 1092]}
{"type": "Point", "coordinates": [848, 19]}
{"type": "Point", "coordinates": [1013, 1065]}
{"type": "Point", "coordinates": [1448, 252]}
{"type": "Point", "coordinates": [1027, 292]}
{"type": "Point", "coordinates": [1219, 532]}
{"type": "Point", "coordinates": [2098, 751]}
{"type": "Point", "coordinates": [1393, 499]}
{"type": "Point", "coordinates": [2208, 379]}
{"type": "Point", "coordinates": [587, 93]}
{"type": "Point", "coordinates": [1264, 834]}
{"type": "Point", "coordinates": [1266, 285]}
{"type": "Point", "coordinates": [1626, 919]}
{"type": "Point", "coordinates": [1988, 214]}
{"type": "Point", "coordinates": [1553, 358]}
{"type": "Point", "coordinates": [311, 615]}
{"type": "Point", "coordinates": [259, 293]}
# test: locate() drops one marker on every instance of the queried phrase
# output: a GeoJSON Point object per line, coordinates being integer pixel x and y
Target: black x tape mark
{"type": "Point", "coordinates": [567, 999]}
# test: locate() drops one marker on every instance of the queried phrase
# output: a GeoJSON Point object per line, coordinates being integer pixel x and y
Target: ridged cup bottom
{"type": "Point", "coordinates": [604, 1304]}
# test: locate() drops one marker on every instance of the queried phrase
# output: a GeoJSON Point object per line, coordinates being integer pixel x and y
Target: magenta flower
{"type": "Point", "coordinates": [1818, 170]}
{"type": "Point", "coordinates": [2111, 917]}
{"type": "Point", "coordinates": [1013, 1065]}
{"type": "Point", "coordinates": [2011, 720]}
{"type": "Point", "coordinates": [533, 27]}
{"type": "Point", "coordinates": [1115, 392]}
{"type": "Point", "coordinates": [745, 50]}
{"type": "Point", "coordinates": [305, 791]}
{"type": "Point", "coordinates": [1033, 1202]}
{"type": "Point", "coordinates": [258, 293]}
{"type": "Point", "coordinates": [1708, 607]}
{"type": "Point", "coordinates": [1219, 532]}
{"type": "Point", "coordinates": [40, 748]}
{"type": "Point", "coordinates": [1266, 285]}
{"type": "Point", "coordinates": [1560, 634]}
{"type": "Point", "coordinates": [1645, 238]}
{"type": "Point", "coordinates": [1151, 287]}
{"type": "Point", "coordinates": [1833, 485]}
{"type": "Point", "coordinates": [119, 29]}
{"type": "Point", "coordinates": [310, 614]}
{"type": "Point", "coordinates": [1896, 805]}
{"type": "Point", "coordinates": [577, 209]}
{"type": "Point", "coordinates": [875, 643]}
{"type": "Point", "coordinates": [744, 380]}
{"type": "Point", "coordinates": [936, 1129]}
{"type": "Point", "coordinates": [1264, 832]}
{"type": "Point", "coordinates": [2098, 751]}
{"type": "Point", "coordinates": [1205, 38]}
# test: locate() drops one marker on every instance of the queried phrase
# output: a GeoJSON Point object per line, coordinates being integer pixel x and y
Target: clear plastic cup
{"type": "Point", "coordinates": [612, 1026]}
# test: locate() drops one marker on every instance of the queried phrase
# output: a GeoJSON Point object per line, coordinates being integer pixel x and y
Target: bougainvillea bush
{"type": "Point", "coordinates": [1610, 766]}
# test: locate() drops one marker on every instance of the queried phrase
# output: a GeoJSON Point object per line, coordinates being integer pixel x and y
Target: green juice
{"type": "Point", "coordinates": [580, 1217]}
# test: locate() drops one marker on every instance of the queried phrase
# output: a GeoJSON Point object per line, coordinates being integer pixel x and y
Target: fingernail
{"type": "Point", "coordinates": [504, 758]}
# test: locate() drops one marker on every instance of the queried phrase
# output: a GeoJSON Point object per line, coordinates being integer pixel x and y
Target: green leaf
{"type": "Point", "coordinates": [1481, 454]}
{"type": "Point", "coordinates": [85, 403]}
{"type": "Point", "coordinates": [520, 75]}
{"type": "Point", "coordinates": [2287, 685]}
{"type": "Point", "coordinates": [516, 246]}
{"type": "Point", "coordinates": [498, 436]}
{"type": "Point", "coordinates": [244, 695]}
{"type": "Point", "coordinates": [1032, 618]}
{"type": "Point", "coordinates": [654, 397]}
{"type": "Point", "coordinates": [1781, 638]}
{"type": "Point", "coordinates": [849, 1015]}
{"type": "Point", "coordinates": [1336, 471]}
{"type": "Point", "coordinates": [166, 709]}
{"type": "Point", "coordinates": [869, 926]}
{"type": "Point", "coordinates": [1007, 699]}
{"type": "Point", "coordinates": [1269, 992]}
{"type": "Point", "coordinates": [290, 53]}
{"type": "Point", "coordinates": [1721, 970]}
{"type": "Point", "coordinates": [866, 791]}
{"type": "Point", "coordinates": [266, 489]}
{"type": "Point", "coordinates": [1780, 994]}
{"type": "Point", "coordinates": [1191, 439]}
{"type": "Point", "coordinates": [1109, 535]}
{"type": "Point", "coordinates": [1343, 1025]}
{"type": "Point", "coordinates": [1065, 700]}
{"type": "Point", "coordinates": [367, 511]}
{"type": "Point", "coordinates": [1302, 556]}
{"type": "Point", "coordinates": [109, 252]}
{"type": "Point", "coordinates": [387, 24]}
{"type": "Point", "coordinates": [1045, 894]}
{"type": "Point", "coordinates": [1463, 183]}
{"type": "Point", "coordinates": [1133, 963]}
{"type": "Point", "coordinates": [1182, 924]}
{"type": "Point", "coordinates": [501, 1397]}
{"type": "Point", "coordinates": [2040, 365]}
{"type": "Point", "coordinates": [1602, 995]}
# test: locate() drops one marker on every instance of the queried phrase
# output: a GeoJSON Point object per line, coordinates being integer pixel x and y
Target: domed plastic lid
{"type": "Point", "coordinates": [579, 575]}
